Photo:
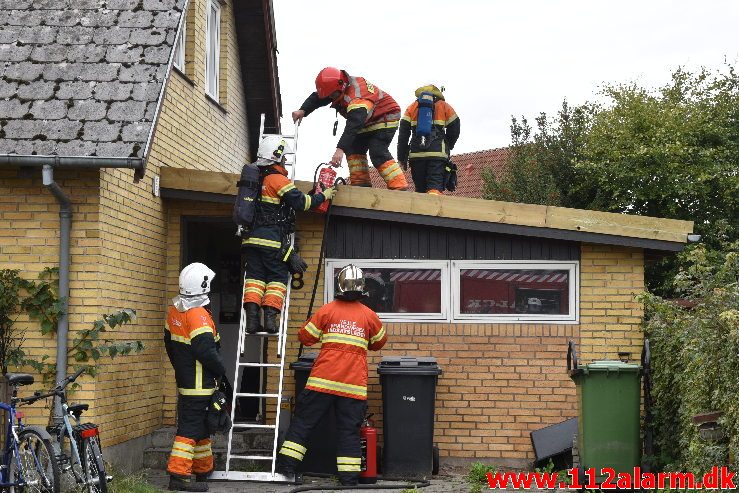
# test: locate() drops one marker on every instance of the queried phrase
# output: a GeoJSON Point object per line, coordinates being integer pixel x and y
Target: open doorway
{"type": "Point", "coordinates": [211, 240]}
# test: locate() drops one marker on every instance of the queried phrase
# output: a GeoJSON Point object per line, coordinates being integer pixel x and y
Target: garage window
{"type": "Point", "coordinates": [515, 291]}
{"type": "Point", "coordinates": [399, 291]}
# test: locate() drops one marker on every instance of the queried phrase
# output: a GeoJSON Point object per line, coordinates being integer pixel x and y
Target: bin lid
{"type": "Point", "coordinates": [305, 361]}
{"type": "Point", "coordinates": [607, 365]}
{"type": "Point", "coordinates": [408, 365]}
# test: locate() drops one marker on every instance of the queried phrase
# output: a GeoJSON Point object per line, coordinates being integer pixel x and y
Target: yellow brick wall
{"type": "Point", "coordinates": [610, 317]}
{"type": "Point", "coordinates": [29, 242]}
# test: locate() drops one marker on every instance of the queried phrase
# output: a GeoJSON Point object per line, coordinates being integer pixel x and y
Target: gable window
{"type": "Point", "coordinates": [403, 291]}
{"type": "Point", "coordinates": [179, 49]}
{"type": "Point", "coordinates": [213, 49]}
{"type": "Point", "coordinates": [515, 291]}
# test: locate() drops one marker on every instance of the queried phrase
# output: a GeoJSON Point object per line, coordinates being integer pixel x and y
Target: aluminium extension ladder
{"type": "Point", "coordinates": [229, 473]}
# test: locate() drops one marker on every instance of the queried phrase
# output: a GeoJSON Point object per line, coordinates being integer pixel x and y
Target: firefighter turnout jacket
{"type": "Point", "coordinates": [445, 132]}
{"type": "Point", "coordinates": [273, 222]}
{"type": "Point", "coordinates": [192, 344]}
{"type": "Point", "coordinates": [346, 329]}
{"type": "Point", "coordinates": [365, 106]}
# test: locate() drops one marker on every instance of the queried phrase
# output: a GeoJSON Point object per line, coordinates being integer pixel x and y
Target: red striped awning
{"type": "Point", "coordinates": [507, 275]}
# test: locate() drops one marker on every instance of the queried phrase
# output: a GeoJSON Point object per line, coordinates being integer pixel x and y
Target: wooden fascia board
{"type": "Point", "coordinates": [463, 208]}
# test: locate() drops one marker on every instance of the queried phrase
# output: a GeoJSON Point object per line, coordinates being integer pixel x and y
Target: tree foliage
{"type": "Point", "coordinates": [671, 152]}
{"type": "Point", "coordinates": [695, 359]}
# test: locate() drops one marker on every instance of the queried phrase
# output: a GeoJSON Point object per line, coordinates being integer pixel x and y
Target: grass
{"type": "Point", "coordinates": [131, 483]}
{"type": "Point", "coordinates": [477, 476]}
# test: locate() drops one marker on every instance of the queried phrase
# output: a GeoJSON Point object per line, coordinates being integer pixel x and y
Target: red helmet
{"type": "Point", "coordinates": [330, 80]}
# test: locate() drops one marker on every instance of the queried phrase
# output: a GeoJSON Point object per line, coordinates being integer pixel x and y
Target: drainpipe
{"type": "Point", "coordinates": [65, 226]}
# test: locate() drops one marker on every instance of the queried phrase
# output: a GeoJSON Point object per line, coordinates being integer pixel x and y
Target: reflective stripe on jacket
{"type": "Point", "coordinates": [192, 344]}
{"type": "Point", "coordinates": [446, 125]}
{"type": "Point", "coordinates": [346, 330]}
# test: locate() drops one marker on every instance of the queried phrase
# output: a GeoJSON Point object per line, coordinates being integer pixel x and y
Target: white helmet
{"type": "Point", "coordinates": [195, 279]}
{"type": "Point", "coordinates": [272, 149]}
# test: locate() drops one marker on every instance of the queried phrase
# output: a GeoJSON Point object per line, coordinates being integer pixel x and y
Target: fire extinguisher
{"type": "Point", "coordinates": [368, 440]}
{"type": "Point", "coordinates": [323, 180]}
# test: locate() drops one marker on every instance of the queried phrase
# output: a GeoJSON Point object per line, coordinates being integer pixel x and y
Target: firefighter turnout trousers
{"type": "Point", "coordinates": [310, 409]}
{"type": "Point", "coordinates": [191, 451]}
{"type": "Point", "coordinates": [429, 175]}
{"type": "Point", "coordinates": [266, 276]}
{"type": "Point", "coordinates": [377, 142]}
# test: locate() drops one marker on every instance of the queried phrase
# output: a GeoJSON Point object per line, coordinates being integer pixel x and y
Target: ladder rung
{"type": "Point", "coordinates": [247, 425]}
{"type": "Point", "coordinates": [261, 334]}
{"type": "Point", "coordinates": [257, 395]}
{"type": "Point", "coordinates": [251, 457]}
{"type": "Point", "coordinates": [261, 365]}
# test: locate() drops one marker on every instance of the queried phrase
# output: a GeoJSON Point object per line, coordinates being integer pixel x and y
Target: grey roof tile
{"type": "Point", "coordinates": [75, 90]}
{"type": "Point", "coordinates": [36, 90]}
{"type": "Point", "coordinates": [86, 53]}
{"type": "Point", "coordinates": [76, 148]}
{"type": "Point", "coordinates": [75, 35]}
{"type": "Point", "coordinates": [98, 131]}
{"type": "Point", "coordinates": [127, 111]}
{"type": "Point", "coordinates": [88, 110]}
{"type": "Point", "coordinates": [115, 35]}
{"type": "Point", "coordinates": [82, 77]}
{"type": "Point", "coordinates": [49, 110]}
{"type": "Point", "coordinates": [113, 91]}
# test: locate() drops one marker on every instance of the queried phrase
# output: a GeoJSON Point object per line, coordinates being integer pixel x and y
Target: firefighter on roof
{"type": "Point", "coordinates": [372, 118]}
{"type": "Point", "coordinates": [267, 251]}
{"type": "Point", "coordinates": [432, 127]}
{"type": "Point", "coordinates": [191, 341]}
{"type": "Point", "coordinates": [347, 329]}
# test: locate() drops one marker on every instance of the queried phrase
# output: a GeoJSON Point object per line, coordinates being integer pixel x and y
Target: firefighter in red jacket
{"type": "Point", "coordinates": [191, 341]}
{"type": "Point", "coordinates": [429, 158]}
{"type": "Point", "coordinates": [267, 251]}
{"type": "Point", "coordinates": [347, 329]}
{"type": "Point", "coordinates": [372, 118]}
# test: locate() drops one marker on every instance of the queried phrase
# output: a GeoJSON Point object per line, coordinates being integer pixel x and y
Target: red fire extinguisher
{"type": "Point", "coordinates": [368, 439]}
{"type": "Point", "coordinates": [323, 180]}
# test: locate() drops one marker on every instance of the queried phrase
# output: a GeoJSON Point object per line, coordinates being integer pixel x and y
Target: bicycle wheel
{"type": "Point", "coordinates": [92, 460]}
{"type": "Point", "coordinates": [39, 470]}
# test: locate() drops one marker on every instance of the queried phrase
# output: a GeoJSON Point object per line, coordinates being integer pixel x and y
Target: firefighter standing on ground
{"type": "Point", "coordinates": [428, 155]}
{"type": "Point", "coordinates": [191, 341]}
{"type": "Point", "coordinates": [372, 118]}
{"type": "Point", "coordinates": [347, 329]}
{"type": "Point", "coordinates": [267, 250]}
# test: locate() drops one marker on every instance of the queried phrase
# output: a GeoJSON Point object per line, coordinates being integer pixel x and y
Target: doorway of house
{"type": "Point", "coordinates": [211, 240]}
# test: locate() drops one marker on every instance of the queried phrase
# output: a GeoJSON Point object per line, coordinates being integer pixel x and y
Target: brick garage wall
{"type": "Point", "coordinates": [500, 381]}
{"type": "Point", "coordinates": [29, 242]}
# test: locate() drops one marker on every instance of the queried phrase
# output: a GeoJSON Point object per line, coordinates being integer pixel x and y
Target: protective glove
{"type": "Point", "coordinates": [295, 264]}
{"type": "Point", "coordinates": [329, 193]}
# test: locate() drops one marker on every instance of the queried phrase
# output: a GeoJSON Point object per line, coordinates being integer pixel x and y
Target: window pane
{"type": "Point", "coordinates": [211, 62]}
{"type": "Point", "coordinates": [401, 290]}
{"type": "Point", "coordinates": [179, 54]}
{"type": "Point", "coordinates": [514, 291]}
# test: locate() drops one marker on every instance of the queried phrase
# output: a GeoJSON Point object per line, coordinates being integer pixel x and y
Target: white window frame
{"type": "Point", "coordinates": [179, 48]}
{"type": "Point", "coordinates": [442, 265]}
{"type": "Point", "coordinates": [212, 79]}
{"type": "Point", "coordinates": [574, 291]}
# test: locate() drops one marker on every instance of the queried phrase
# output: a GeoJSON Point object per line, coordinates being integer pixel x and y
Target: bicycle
{"type": "Point", "coordinates": [28, 462]}
{"type": "Point", "coordinates": [77, 448]}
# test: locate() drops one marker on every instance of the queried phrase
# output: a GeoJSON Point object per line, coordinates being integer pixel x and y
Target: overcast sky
{"type": "Point", "coordinates": [495, 58]}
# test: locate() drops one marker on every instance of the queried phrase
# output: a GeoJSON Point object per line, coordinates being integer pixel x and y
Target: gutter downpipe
{"type": "Point", "coordinates": [47, 164]}
{"type": "Point", "coordinates": [65, 226]}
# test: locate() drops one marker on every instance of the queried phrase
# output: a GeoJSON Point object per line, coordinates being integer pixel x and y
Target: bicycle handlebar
{"type": "Point", "coordinates": [58, 390]}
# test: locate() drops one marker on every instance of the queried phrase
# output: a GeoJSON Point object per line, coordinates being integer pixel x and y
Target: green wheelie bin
{"type": "Point", "coordinates": [608, 400]}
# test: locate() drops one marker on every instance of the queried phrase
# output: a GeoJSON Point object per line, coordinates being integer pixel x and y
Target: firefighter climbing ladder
{"type": "Point", "coordinates": [230, 472]}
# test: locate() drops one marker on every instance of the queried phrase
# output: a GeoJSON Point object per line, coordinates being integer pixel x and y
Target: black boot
{"type": "Point", "coordinates": [202, 477]}
{"type": "Point", "coordinates": [271, 320]}
{"type": "Point", "coordinates": [252, 318]}
{"type": "Point", "coordinates": [178, 483]}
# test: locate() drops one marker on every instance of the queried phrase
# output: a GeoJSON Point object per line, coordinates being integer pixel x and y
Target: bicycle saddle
{"type": "Point", "coordinates": [19, 378]}
{"type": "Point", "coordinates": [77, 409]}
